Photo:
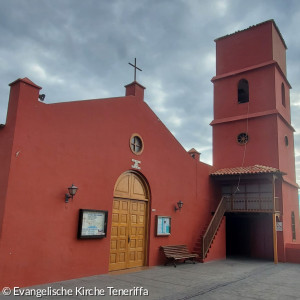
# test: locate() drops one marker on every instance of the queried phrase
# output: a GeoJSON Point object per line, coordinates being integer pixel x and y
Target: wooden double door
{"type": "Point", "coordinates": [128, 244]}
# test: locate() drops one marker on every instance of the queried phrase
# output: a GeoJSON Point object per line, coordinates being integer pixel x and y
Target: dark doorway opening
{"type": "Point", "coordinates": [249, 235]}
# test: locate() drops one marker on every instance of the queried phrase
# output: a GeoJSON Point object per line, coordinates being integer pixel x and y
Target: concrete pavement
{"type": "Point", "coordinates": [227, 279]}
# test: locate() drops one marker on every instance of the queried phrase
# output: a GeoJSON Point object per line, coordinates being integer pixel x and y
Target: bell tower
{"type": "Point", "coordinates": [252, 126]}
{"type": "Point", "coordinates": [252, 121]}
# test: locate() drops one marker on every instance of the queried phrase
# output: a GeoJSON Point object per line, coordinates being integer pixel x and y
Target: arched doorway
{"type": "Point", "coordinates": [128, 244]}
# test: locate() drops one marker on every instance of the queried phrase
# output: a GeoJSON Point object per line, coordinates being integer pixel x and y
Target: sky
{"type": "Point", "coordinates": [79, 50]}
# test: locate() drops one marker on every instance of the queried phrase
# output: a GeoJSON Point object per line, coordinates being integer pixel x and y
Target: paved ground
{"type": "Point", "coordinates": [226, 279]}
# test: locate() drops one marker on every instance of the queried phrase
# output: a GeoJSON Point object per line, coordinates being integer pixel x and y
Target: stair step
{"type": "Point", "coordinates": [199, 241]}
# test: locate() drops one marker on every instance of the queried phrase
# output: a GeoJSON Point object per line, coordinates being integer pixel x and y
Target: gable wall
{"type": "Point", "coordinates": [87, 143]}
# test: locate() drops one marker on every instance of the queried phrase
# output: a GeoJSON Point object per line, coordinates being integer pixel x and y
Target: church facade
{"type": "Point", "coordinates": [93, 186]}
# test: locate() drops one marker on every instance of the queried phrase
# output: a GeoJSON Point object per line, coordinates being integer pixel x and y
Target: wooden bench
{"type": "Point", "coordinates": [176, 253]}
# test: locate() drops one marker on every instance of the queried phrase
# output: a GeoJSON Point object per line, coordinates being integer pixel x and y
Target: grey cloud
{"type": "Point", "coordinates": [80, 49]}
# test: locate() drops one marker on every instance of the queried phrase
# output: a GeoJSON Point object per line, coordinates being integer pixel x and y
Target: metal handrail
{"type": "Point", "coordinates": [213, 226]}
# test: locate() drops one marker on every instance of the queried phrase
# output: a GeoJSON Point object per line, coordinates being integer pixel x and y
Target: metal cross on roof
{"type": "Point", "coordinates": [135, 67]}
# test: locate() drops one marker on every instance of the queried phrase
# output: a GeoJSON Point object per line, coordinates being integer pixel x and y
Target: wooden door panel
{"type": "Point", "coordinates": [140, 255]}
{"type": "Point", "coordinates": [131, 187]}
{"type": "Point", "coordinates": [137, 231]}
{"type": "Point", "coordinates": [140, 243]}
{"type": "Point", "coordinates": [113, 245]}
{"type": "Point", "coordinates": [113, 258]}
{"type": "Point", "coordinates": [137, 189]}
{"type": "Point", "coordinates": [119, 235]}
{"type": "Point", "coordinates": [129, 216]}
{"type": "Point", "coordinates": [122, 188]}
{"type": "Point", "coordinates": [122, 260]}
{"type": "Point", "coordinates": [115, 218]}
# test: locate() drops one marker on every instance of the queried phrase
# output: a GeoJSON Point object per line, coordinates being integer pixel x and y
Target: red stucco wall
{"type": "Point", "coordinates": [87, 143]}
{"type": "Point", "coordinates": [218, 247]}
{"type": "Point", "coordinates": [250, 47]}
{"type": "Point", "coordinates": [258, 148]}
{"type": "Point", "coordinates": [243, 49]}
{"type": "Point", "coordinates": [293, 253]}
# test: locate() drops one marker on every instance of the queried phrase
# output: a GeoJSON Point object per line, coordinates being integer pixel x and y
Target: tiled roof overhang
{"type": "Point", "coordinates": [251, 170]}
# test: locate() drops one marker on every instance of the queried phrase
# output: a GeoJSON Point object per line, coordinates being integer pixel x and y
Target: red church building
{"type": "Point", "coordinates": [93, 186]}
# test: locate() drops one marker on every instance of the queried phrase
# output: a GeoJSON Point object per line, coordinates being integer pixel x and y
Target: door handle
{"type": "Point", "coordinates": [128, 239]}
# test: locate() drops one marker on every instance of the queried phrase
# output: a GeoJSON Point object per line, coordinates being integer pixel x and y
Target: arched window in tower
{"type": "Point", "coordinates": [293, 227]}
{"type": "Point", "coordinates": [243, 91]}
{"type": "Point", "coordinates": [283, 94]}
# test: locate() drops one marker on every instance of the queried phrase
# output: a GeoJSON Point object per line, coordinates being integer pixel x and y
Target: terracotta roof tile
{"type": "Point", "coordinates": [257, 169]}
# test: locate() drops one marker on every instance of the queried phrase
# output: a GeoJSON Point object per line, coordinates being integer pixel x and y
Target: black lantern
{"type": "Point", "coordinates": [72, 191]}
{"type": "Point", "coordinates": [179, 205]}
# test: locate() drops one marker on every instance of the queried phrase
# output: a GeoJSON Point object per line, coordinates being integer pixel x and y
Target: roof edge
{"type": "Point", "coordinates": [249, 170]}
{"type": "Point", "coordinates": [133, 83]}
{"type": "Point", "coordinates": [253, 26]}
{"type": "Point", "coordinates": [250, 69]}
{"type": "Point", "coordinates": [27, 81]}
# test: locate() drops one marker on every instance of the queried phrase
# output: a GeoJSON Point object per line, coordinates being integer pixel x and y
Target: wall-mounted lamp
{"type": "Point", "coordinates": [72, 191]}
{"type": "Point", "coordinates": [42, 97]}
{"type": "Point", "coordinates": [179, 205]}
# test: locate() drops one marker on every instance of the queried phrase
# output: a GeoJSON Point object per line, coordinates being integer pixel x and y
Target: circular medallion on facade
{"type": "Point", "coordinates": [136, 144]}
{"type": "Point", "coordinates": [243, 138]}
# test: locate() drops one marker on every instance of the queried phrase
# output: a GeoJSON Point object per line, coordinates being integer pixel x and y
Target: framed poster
{"type": "Point", "coordinates": [279, 226]}
{"type": "Point", "coordinates": [92, 224]}
{"type": "Point", "coordinates": [163, 226]}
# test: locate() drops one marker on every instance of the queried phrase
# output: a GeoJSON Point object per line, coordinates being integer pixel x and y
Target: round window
{"type": "Point", "coordinates": [243, 138]}
{"type": "Point", "coordinates": [136, 144]}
